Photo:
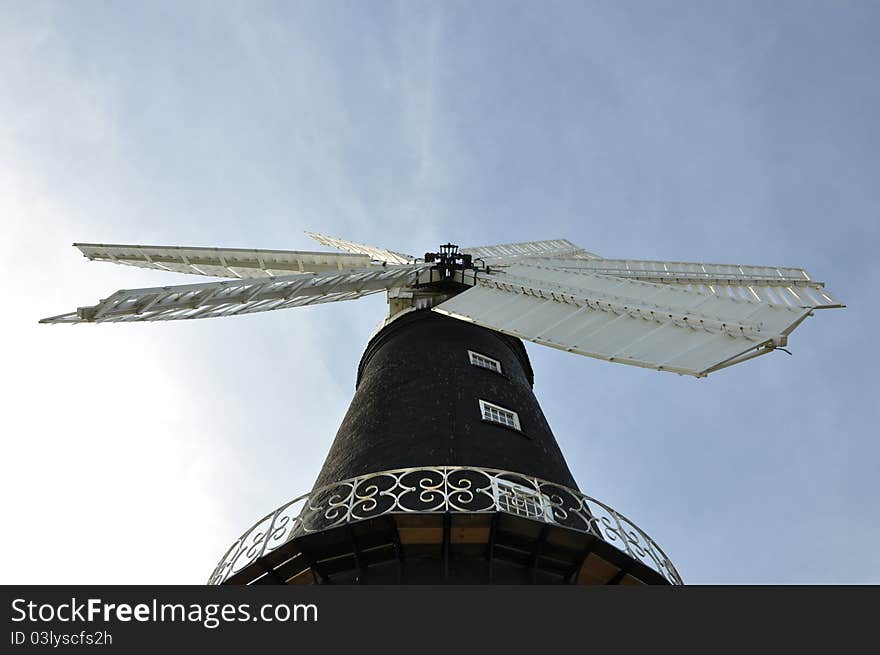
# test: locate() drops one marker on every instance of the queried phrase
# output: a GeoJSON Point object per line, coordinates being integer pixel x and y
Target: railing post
{"type": "Point", "coordinates": [354, 487]}
{"type": "Point", "coordinates": [268, 533]}
{"type": "Point", "coordinates": [623, 535]}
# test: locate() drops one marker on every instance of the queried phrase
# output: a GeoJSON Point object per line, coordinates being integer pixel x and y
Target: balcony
{"type": "Point", "coordinates": [446, 514]}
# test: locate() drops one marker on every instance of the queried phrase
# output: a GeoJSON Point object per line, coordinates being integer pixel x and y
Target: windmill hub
{"type": "Point", "coordinates": [448, 260]}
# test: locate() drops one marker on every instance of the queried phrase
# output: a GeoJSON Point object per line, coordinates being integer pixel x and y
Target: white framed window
{"type": "Point", "coordinates": [478, 359]}
{"type": "Point", "coordinates": [518, 499]}
{"type": "Point", "coordinates": [500, 415]}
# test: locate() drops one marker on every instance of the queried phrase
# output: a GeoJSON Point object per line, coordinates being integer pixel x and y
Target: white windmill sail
{"type": "Point", "coordinates": [379, 254]}
{"type": "Point", "coordinates": [787, 286]}
{"type": "Point", "coordinates": [223, 262]}
{"type": "Point", "coordinates": [690, 318]}
{"type": "Point", "coordinates": [623, 320]}
{"type": "Point", "coordinates": [515, 251]}
{"type": "Point", "coordinates": [233, 297]}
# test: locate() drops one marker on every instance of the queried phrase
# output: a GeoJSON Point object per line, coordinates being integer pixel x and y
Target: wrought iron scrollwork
{"type": "Point", "coordinates": [456, 489]}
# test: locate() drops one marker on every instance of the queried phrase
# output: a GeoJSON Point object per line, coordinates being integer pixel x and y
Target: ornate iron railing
{"type": "Point", "coordinates": [457, 489]}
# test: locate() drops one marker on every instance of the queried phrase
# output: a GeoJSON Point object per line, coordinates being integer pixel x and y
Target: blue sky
{"type": "Point", "coordinates": [723, 132]}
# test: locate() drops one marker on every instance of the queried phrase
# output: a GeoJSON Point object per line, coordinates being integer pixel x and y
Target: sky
{"type": "Point", "coordinates": [733, 132]}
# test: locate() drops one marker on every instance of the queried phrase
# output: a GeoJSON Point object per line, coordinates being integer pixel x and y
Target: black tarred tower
{"type": "Point", "coordinates": [444, 470]}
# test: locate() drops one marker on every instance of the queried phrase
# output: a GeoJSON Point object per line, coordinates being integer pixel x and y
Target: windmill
{"type": "Point", "coordinates": [444, 467]}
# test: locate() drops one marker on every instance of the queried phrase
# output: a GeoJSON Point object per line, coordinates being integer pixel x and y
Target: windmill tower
{"type": "Point", "coordinates": [444, 468]}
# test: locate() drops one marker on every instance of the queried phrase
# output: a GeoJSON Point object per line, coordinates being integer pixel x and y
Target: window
{"type": "Point", "coordinates": [518, 499]}
{"type": "Point", "coordinates": [499, 415]}
{"type": "Point", "coordinates": [484, 362]}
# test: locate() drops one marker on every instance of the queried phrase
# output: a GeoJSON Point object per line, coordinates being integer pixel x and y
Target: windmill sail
{"type": "Point", "coordinates": [623, 320]}
{"type": "Point", "coordinates": [786, 286]}
{"type": "Point", "coordinates": [223, 262]}
{"type": "Point", "coordinates": [512, 251]}
{"type": "Point", "coordinates": [379, 254]}
{"type": "Point", "coordinates": [236, 297]}
{"type": "Point", "coordinates": [687, 317]}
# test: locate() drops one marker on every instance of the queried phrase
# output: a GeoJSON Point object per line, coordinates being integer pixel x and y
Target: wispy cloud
{"type": "Point", "coordinates": [684, 132]}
